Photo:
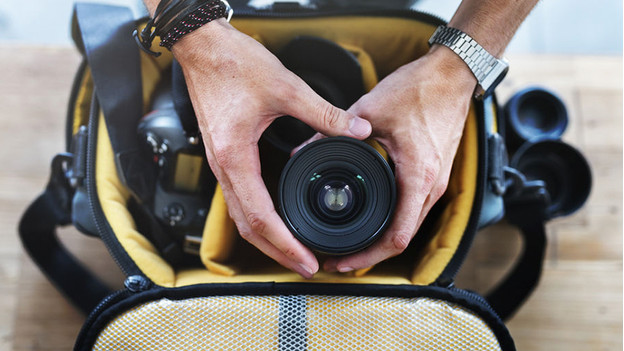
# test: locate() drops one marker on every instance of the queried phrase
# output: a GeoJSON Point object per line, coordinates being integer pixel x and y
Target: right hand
{"type": "Point", "coordinates": [238, 88]}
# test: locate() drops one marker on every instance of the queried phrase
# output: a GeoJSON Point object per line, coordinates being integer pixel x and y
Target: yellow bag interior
{"type": "Point", "coordinates": [381, 45]}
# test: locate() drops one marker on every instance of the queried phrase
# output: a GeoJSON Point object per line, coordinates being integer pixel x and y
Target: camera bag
{"type": "Point", "coordinates": [237, 298]}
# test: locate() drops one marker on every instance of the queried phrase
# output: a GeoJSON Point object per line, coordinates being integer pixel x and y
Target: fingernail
{"type": "Point", "coordinates": [344, 269]}
{"type": "Point", "coordinates": [307, 269]}
{"type": "Point", "coordinates": [359, 127]}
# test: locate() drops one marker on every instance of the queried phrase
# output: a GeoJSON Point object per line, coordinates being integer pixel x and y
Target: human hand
{"type": "Point", "coordinates": [418, 114]}
{"type": "Point", "coordinates": [238, 88]}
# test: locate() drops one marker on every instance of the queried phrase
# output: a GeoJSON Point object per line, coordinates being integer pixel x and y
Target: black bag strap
{"type": "Point", "coordinates": [526, 208]}
{"type": "Point", "coordinates": [182, 101]}
{"type": "Point", "coordinates": [104, 33]}
{"type": "Point", "coordinates": [107, 43]}
{"type": "Point", "coordinates": [37, 230]}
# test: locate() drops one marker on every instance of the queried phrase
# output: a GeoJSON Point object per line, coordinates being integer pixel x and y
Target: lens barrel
{"type": "Point", "coordinates": [337, 195]}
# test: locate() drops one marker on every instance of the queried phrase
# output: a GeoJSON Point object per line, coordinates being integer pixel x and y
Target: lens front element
{"type": "Point", "coordinates": [337, 195]}
{"type": "Point", "coordinates": [336, 198]}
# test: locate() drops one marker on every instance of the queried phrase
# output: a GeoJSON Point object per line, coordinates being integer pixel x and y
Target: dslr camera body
{"type": "Point", "coordinates": [184, 184]}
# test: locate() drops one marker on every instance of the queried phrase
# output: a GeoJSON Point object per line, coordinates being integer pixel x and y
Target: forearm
{"type": "Point", "coordinates": [492, 23]}
{"type": "Point", "coordinates": [151, 6]}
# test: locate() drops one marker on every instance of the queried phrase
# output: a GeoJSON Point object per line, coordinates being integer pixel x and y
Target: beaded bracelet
{"type": "Point", "coordinates": [175, 18]}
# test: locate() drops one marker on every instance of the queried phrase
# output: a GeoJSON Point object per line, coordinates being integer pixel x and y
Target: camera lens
{"type": "Point", "coordinates": [337, 195]}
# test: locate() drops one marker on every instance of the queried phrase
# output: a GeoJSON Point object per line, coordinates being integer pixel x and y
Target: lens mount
{"type": "Point", "coordinates": [337, 195]}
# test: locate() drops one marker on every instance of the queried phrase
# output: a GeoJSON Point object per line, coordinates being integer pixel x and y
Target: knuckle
{"type": "Point", "coordinates": [257, 222]}
{"type": "Point", "coordinates": [223, 155]}
{"type": "Point", "coordinates": [366, 106]}
{"type": "Point", "coordinates": [430, 177]}
{"type": "Point", "coordinates": [400, 242]}
{"type": "Point", "coordinates": [286, 92]}
{"type": "Point", "coordinates": [290, 252]}
{"type": "Point", "coordinates": [330, 116]}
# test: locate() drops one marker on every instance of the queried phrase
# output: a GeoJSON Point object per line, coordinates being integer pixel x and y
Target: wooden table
{"type": "Point", "coordinates": [577, 306]}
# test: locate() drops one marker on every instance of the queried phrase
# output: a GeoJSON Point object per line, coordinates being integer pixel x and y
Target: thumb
{"type": "Point", "coordinates": [326, 118]}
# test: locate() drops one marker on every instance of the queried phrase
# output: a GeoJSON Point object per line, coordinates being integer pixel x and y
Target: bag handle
{"type": "Point", "coordinates": [37, 230]}
{"type": "Point", "coordinates": [526, 204]}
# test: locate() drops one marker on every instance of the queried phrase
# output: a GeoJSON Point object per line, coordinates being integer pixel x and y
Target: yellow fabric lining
{"type": "Point", "coordinates": [113, 199]}
{"type": "Point", "coordinates": [454, 219]}
{"type": "Point", "coordinates": [388, 43]}
{"type": "Point", "coordinates": [218, 238]}
{"type": "Point", "coordinates": [83, 101]}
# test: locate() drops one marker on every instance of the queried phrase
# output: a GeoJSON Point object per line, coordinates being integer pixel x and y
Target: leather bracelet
{"type": "Point", "coordinates": [208, 12]}
{"type": "Point", "coordinates": [176, 18]}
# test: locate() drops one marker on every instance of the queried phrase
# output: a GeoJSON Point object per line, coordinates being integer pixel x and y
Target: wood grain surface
{"type": "Point", "coordinates": [577, 306]}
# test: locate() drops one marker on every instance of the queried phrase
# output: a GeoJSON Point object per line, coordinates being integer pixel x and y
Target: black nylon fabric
{"type": "Point", "coordinates": [37, 230]}
{"type": "Point", "coordinates": [530, 216]}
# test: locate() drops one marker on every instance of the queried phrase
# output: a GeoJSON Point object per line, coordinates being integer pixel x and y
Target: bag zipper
{"type": "Point", "coordinates": [475, 296]}
{"type": "Point", "coordinates": [119, 255]}
{"type": "Point", "coordinates": [101, 307]}
{"type": "Point", "coordinates": [134, 284]}
{"type": "Point", "coordinates": [304, 12]}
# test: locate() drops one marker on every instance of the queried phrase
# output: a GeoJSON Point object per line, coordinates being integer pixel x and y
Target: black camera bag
{"type": "Point", "coordinates": [408, 303]}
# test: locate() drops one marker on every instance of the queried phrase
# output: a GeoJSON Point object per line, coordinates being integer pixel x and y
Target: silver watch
{"type": "Point", "coordinates": [488, 70]}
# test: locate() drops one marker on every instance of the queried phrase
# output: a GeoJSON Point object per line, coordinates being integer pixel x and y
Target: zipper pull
{"type": "Point", "coordinates": [137, 283]}
{"type": "Point", "coordinates": [77, 172]}
{"type": "Point", "coordinates": [445, 282]}
{"type": "Point", "coordinates": [497, 161]}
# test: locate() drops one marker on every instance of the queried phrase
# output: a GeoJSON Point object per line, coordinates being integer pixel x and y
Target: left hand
{"type": "Point", "coordinates": [417, 114]}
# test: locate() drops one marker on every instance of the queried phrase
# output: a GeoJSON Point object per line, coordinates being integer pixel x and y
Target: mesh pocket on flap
{"type": "Point", "coordinates": [298, 322]}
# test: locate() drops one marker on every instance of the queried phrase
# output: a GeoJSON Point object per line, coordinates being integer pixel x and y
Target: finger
{"type": "Point", "coordinates": [259, 242]}
{"type": "Point", "coordinates": [238, 215]}
{"type": "Point", "coordinates": [315, 137]}
{"type": "Point", "coordinates": [412, 195]}
{"type": "Point", "coordinates": [310, 108]}
{"type": "Point", "coordinates": [256, 207]}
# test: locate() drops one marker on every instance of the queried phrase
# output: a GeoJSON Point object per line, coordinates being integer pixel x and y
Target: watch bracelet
{"type": "Point", "coordinates": [480, 64]}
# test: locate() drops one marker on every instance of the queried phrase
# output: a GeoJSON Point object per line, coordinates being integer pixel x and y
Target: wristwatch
{"type": "Point", "coordinates": [488, 70]}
